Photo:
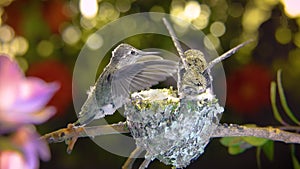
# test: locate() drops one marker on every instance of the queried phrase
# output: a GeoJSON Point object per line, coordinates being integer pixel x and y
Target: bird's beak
{"type": "Point", "coordinates": [143, 53]}
{"type": "Point", "coordinates": [147, 56]}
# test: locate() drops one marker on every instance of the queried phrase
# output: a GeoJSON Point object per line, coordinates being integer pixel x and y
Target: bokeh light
{"type": "Point", "coordinates": [192, 10]}
{"type": "Point", "coordinates": [253, 18]}
{"type": "Point", "coordinates": [6, 33]}
{"type": "Point", "coordinates": [291, 8]}
{"type": "Point", "coordinates": [123, 5]}
{"type": "Point", "coordinates": [19, 45]}
{"type": "Point", "coordinates": [283, 35]}
{"type": "Point", "coordinates": [202, 20]}
{"type": "Point", "coordinates": [71, 34]}
{"type": "Point", "coordinates": [95, 41]}
{"type": "Point", "coordinates": [211, 42]}
{"type": "Point", "coordinates": [88, 24]}
{"type": "Point", "coordinates": [157, 8]}
{"type": "Point", "coordinates": [10, 44]}
{"type": "Point", "coordinates": [297, 39]}
{"type": "Point", "coordinates": [107, 12]}
{"type": "Point", "coordinates": [235, 9]}
{"type": "Point", "coordinates": [45, 48]}
{"type": "Point", "coordinates": [88, 8]}
{"type": "Point", "coordinates": [217, 29]}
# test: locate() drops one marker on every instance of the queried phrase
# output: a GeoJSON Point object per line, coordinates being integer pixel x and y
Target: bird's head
{"type": "Point", "coordinates": [125, 54]}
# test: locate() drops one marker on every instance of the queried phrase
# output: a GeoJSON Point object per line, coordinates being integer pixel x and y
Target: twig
{"type": "Point", "coordinates": [226, 55]}
{"type": "Point", "coordinates": [175, 41]}
{"type": "Point", "coordinates": [145, 163]}
{"type": "Point", "coordinates": [71, 132]}
{"type": "Point", "coordinates": [290, 128]}
{"type": "Point", "coordinates": [232, 130]}
{"type": "Point", "coordinates": [133, 155]}
{"type": "Point", "coordinates": [270, 133]}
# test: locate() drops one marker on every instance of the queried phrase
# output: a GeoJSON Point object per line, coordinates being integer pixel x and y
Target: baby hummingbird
{"type": "Point", "coordinates": [129, 70]}
{"type": "Point", "coordinates": [194, 73]}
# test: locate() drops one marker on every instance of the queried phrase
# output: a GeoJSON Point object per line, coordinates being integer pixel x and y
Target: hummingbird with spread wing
{"type": "Point", "coordinates": [129, 70]}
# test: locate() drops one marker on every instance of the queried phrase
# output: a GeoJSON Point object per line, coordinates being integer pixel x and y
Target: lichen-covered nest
{"type": "Point", "coordinates": [173, 130]}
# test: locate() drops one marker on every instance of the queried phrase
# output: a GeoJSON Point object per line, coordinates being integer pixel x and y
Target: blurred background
{"type": "Point", "coordinates": [45, 37]}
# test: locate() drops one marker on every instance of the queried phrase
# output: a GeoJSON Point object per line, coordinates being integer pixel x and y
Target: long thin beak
{"type": "Point", "coordinates": [147, 56]}
{"type": "Point", "coordinates": [144, 53]}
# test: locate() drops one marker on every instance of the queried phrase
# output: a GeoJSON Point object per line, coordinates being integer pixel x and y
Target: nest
{"type": "Point", "coordinates": [173, 130]}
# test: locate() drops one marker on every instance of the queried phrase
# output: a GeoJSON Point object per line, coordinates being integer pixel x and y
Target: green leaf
{"type": "Point", "coordinates": [282, 97]}
{"type": "Point", "coordinates": [231, 141]}
{"type": "Point", "coordinates": [295, 162]}
{"type": "Point", "coordinates": [236, 145]}
{"type": "Point", "coordinates": [258, 152]}
{"type": "Point", "coordinates": [268, 149]}
{"type": "Point", "coordinates": [225, 141]}
{"type": "Point", "coordinates": [294, 158]}
{"type": "Point", "coordinates": [234, 150]}
{"type": "Point", "coordinates": [273, 102]}
{"type": "Point", "coordinates": [255, 141]}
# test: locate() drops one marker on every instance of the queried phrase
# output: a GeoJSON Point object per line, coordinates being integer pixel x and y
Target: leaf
{"type": "Point", "coordinates": [268, 149]}
{"type": "Point", "coordinates": [295, 162]}
{"type": "Point", "coordinates": [255, 141]}
{"type": "Point", "coordinates": [234, 150]}
{"type": "Point", "coordinates": [294, 158]}
{"type": "Point", "coordinates": [282, 97]}
{"type": "Point", "coordinates": [230, 141]}
{"type": "Point", "coordinates": [258, 152]}
{"type": "Point", "coordinates": [273, 102]}
{"type": "Point", "coordinates": [236, 145]}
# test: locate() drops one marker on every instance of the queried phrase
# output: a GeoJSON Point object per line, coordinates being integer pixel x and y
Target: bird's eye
{"type": "Point", "coordinates": [133, 52]}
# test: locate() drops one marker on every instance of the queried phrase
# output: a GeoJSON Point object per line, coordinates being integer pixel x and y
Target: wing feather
{"type": "Point", "coordinates": [141, 75]}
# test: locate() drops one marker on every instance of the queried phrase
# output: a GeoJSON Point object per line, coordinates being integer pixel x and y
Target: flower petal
{"type": "Point", "coordinates": [41, 116]}
{"type": "Point", "coordinates": [10, 78]}
{"type": "Point", "coordinates": [12, 159]}
{"type": "Point", "coordinates": [32, 147]}
{"type": "Point", "coordinates": [34, 95]}
{"type": "Point", "coordinates": [16, 119]}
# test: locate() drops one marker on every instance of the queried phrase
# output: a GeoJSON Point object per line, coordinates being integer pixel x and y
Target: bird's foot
{"type": "Point", "coordinates": [75, 130]}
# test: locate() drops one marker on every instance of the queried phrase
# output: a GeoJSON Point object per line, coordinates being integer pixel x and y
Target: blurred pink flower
{"type": "Point", "coordinates": [28, 149]}
{"type": "Point", "coordinates": [23, 99]}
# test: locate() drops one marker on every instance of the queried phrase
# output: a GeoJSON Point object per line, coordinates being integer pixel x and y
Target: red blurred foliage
{"type": "Point", "coordinates": [53, 70]}
{"type": "Point", "coordinates": [52, 11]}
{"type": "Point", "coordinates": [249, 89]}
{"type": "Point", "coordinates": [14, 15]}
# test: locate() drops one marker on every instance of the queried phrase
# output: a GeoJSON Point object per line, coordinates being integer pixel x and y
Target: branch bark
{"type": "Point", "coordinates": [270, 133]}
{"type": "Point", "coordinates": [232, 130]}
{"type": "Point", "coordinates": [71, 131]}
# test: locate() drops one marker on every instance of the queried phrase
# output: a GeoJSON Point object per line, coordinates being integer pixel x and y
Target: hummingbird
{"type": "Point", "coordinates": [129, 70]}
{"type": "Point", "coordinates": [192, 81]}
{"type": "Point", "coordinates": [194, 72]}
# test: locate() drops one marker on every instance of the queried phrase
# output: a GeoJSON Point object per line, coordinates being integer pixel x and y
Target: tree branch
{"type": "Point", "coordinates": [232, 130]}
{"type": "Point", "coordinates": [71, 131]}
{"type": "Point", "coordinates": [270, 133]}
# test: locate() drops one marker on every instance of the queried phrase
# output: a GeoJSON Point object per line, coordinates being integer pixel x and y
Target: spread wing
{"type": "Point", "coordinates": [141, 75]}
